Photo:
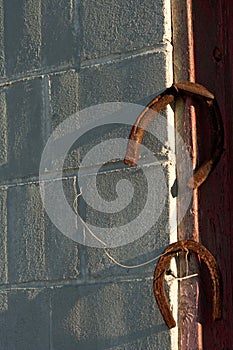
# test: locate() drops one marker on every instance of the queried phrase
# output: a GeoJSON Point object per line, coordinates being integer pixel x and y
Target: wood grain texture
{"type": "Point", "coordinates": [190, 331]}
{"type": "Point", "coordinates": [213, 27]}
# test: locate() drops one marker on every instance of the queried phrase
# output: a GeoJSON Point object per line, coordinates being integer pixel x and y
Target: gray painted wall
{"type": "Point", "coordinates": [58, 57]}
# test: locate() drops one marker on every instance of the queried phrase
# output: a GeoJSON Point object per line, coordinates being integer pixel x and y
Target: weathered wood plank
{"type": "Point", "coordinates": [213, 43]}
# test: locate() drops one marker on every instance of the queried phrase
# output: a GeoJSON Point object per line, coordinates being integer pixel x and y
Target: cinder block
{"type": "Point", "coordinates": [3, 130]}
{"type": "Point", "coordinates": [24, 138]}
{"type": "Point", "coordinates": [64, 96]}
{"type": "Point", "coordinates": [43, 36]}
{"type": "Point", "coordinates": [29, 113]}
{"type": "Point", "coordinates": [36, 249]}
{"type": "Point", "coordinates": [134, 81]}
{"type": "Point", "coordinates": [3, 237]}
{"type": "Point", "coordinates": [25, 319]}
{"type": "Point", "coordinates": [22, 35]}
{"type": "Point", "coordinates": [125, 81]}
{"type": "Point", "coordinates": [26, 234]}
{"type": "Point", "coordinates": [2, 47]}
{"type": "Point", "coordinates": [62, 259]}
{"type": "Point", "coordinates": [126, 53]}
{"type": "Point", "coordinates": [143, 244]}
{"type": "Point", "coordinates": [117, 27]}
{"type": "Point", "coordinates": [130, 80]}
{"type": "Point", "coordinates": [32, 110]}
{"type": "Point", "coordinates": [105, 316]}
{"type": "Point", "coordinates": [60, 39]}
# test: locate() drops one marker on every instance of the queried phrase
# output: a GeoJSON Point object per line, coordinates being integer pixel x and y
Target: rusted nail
{"type": "Point", "coordinates": [161, 101]}
{"type": "Point", "coordinates": [163, 264]}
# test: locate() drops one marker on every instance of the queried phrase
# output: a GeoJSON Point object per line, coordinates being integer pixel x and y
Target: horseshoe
{"type": "Point", "coordinates": [157, 104]}
{"type": "Point", "coordinates": [160, 270]}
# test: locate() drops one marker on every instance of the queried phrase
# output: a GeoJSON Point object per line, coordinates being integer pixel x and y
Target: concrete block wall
{"type": "Point", "coordinates": [58, 57]}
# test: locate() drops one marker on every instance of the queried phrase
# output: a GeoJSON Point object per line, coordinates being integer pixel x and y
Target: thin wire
{"type": "Point", "coordinates": [75, 206]}
{"type": "Point", "coordinates": [75, 201]}
{"type": "Point", "coordinates": [132, 266]}
{"type": "Point", "coordinates": [186, 277]}
{"type": "Point", "coordinates": [92, 233]}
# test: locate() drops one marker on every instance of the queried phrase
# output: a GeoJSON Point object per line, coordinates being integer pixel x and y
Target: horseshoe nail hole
{"type": "Point", "coordinates": [217, 54]}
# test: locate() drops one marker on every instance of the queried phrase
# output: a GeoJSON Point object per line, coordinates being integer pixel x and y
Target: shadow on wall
{"type": "Point", "coordinates": [92, 316]}
{"type": "Point", "coordinates": [103, 316]}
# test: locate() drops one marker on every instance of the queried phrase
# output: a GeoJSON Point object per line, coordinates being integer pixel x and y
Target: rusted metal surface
{"type": "Point", "coordinates": [157, 104]}
{"type": "Point", "coordinates": [163, 264]}
{"type": "Point", "coordinates": [142, 122]}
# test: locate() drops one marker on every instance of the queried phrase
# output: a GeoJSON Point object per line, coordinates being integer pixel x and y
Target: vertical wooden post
{"type": "Point", "coordinates": [190, 335]}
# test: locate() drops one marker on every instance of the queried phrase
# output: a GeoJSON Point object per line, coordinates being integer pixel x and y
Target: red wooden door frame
{"type": "Point", "coordinates": [213, 55]}
{"type": "Point", "coordinates": [203, 52]}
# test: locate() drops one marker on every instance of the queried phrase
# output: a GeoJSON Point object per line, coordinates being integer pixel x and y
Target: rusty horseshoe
{"type": "Point", "coordinates": [157, 104]}
{"type": "Point", "coordinates": [160, 270]}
